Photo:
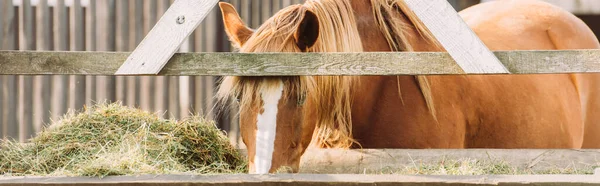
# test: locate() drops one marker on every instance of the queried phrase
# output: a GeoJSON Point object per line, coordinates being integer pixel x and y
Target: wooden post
{"type": "Point", "coordinates": [453, 33]}
{"type": "Point", "coordinates": [177, 24]}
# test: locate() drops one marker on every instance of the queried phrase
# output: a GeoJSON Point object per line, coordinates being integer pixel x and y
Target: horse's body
{"type": "Point", "coordinates": [507, 111]}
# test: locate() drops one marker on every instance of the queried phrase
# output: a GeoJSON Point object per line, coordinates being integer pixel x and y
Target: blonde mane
{"type": "Point", "coordinates": [338, 32]}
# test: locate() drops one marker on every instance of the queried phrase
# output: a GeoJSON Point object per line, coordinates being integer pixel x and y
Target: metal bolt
{"type": "Point", "coordinates": [180, 19]}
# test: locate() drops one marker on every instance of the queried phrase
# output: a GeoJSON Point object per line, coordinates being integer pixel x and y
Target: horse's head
{"type": "Point", "coordinates": [279, 116]}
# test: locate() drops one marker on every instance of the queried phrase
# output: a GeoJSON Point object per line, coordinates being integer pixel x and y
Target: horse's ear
{"type": "Point", "coordinates": [234, 26]}
{"type": "Point", "coordinates": [308, 31]}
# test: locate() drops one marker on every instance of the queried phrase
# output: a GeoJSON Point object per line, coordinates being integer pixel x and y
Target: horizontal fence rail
{"type": "Point", "coordinates": [312, 179]}
{"type": "Point", "coordinates": [386, 161]}
{"type": "Point", "coordinates": [293, 64]}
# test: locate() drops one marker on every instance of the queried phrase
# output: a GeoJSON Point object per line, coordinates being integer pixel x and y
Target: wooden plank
{"type": "Point", "coordinates": [44, 30]}
{"type": "Point", "coordinates": [4, 5]}
{"type": "Point", "coordinates": [42, 84]}
{"type": "Point", "coordinates": [390, 161]}
{"type": "Point", "coordinates": [307, 179]}
{"type": "Point", "coordinates": [78, 83]}
{"type": "Point", "coordinates": [9, 86]}
{"type": "Point", "coordinates": [147, 84]}
{"type": "Point", "coordinates": [139, 33]}
{"type": "Point", "coordinates": [256, 14]}
{"type": "Point", "coordinates": [297, 64]}
{"type": "Point", "coordinates": [265, 10]}
{"type": "Point", "coordinates": [162, 82]}
{"type": "Point", "coordinates": [60, 84]}
{"type": "Point", "coordinates": [455, 35]}
{"type": "Point", "coordinates": [91, 41]}
{"type": "Point", "coordinates": [2, 103]}
{"type": "Point", "coordinates": [106, 85]}
{"type": "Point", "coordinates": [11, 29]}
{"type": "Point", "coordinates": [25, 96]}
{"type": "Point", "coordinates": [123, 38]}
{"type": "Point", "coordinates": [3, 23]}
{"type": "Point", "coordinates": [176, 25]}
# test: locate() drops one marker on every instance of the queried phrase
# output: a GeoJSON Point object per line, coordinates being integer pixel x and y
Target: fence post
{"type": "Point", "coordinates": [456, 37]}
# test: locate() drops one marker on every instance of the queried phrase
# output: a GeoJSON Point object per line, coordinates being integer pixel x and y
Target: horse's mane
{"type": "Point", "coordinates": [338, 33]}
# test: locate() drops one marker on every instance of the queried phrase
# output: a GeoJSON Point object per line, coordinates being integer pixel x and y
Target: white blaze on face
{"type": "Point", "coordinates": [266, 127]}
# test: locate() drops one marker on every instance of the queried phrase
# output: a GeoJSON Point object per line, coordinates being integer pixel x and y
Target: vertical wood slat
{"type": "Point", "coordinates": [60, 83]}
{"type": "Point", "coordinates": [106, 84]}
{"type": "Point", "coordinates": [162, 83]}
{"type": "Point", "coordinates": [265, 10]}
{"type": "Point", "coordinates": [42, 84]}
{"type": "Point", "coordinates": [147, 84]}
{"type": "Point", "coordinates": [10, 83]}
{"type": "Point", "coordinates": [78, 83]}
{"type": "Point", "coordinates": [256, 15]}
{"type": "Point", "coordinates": [25, 96]}
{"type": "Point", "coordinates": [131, 83]}
{"type": "Point", "coordinates": [123, 35]}
{"type": "Point", "coordinates": [199, 100]}
{"type": "Point", "coordinates": [138, 31]}
{"type": "Point", "coordinates": [3, 16]}
{"type": "Point", "coordinates": [91, 41]}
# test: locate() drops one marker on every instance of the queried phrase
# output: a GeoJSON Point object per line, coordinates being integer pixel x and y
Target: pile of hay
{"type": "Point", "coordinates": [110, 139]}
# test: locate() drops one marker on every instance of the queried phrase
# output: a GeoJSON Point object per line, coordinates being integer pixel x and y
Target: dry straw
{"type": "Point", "coordinates": [110, 139]}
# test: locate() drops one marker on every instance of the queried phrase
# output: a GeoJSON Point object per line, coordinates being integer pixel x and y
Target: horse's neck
{"type": "Point", "coordinates": [366, 22]}
{"type": "Point", "coordinates": [391, 94]}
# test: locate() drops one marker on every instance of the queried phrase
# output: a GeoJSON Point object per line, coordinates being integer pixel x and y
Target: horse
{"type": "Point", "coordinates": [280, 117]}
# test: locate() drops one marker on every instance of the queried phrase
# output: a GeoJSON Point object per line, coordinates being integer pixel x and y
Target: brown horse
{"type": "Point", "coordinates": [281, 116]}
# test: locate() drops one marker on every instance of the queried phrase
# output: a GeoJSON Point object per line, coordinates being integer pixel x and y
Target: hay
{"type": "Point", "coordinates": [110, 139]}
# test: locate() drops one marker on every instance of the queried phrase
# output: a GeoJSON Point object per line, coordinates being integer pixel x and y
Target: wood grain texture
{"type": "Point", "coordinates": [294, 64]}
{"type": "Point", "coordinates": [307, 179]}
{"type": "Point", "coordinates": [163, 40]}
{"type": "Point", "coordinates": [382, 161]}
{"type": "Point", "coordinates": [456, 37]}
{"type": "Point", "coordinates": [25, 95]}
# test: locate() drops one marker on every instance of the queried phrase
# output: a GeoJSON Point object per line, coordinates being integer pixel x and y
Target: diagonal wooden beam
{"type": "Point", "coordinates": [455, 35]}
{"type": "Point", "coordinates": [161, 43]}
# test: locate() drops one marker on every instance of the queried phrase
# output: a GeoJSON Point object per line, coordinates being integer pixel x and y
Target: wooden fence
{"type": "Point", "coordinates": [28, 102]}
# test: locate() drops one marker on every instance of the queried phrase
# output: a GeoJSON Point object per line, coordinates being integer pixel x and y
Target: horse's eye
{"type": "Point", "coordinates": [238, 98]}
{"type": "Point", "coordinates": [302, 99]}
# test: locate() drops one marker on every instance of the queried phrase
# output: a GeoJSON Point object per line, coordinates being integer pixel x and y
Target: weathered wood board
{"type": "Point", "coordinates": [179, 22]}
{"type": "Point", "coordinates": [290, 64]}
{"type": "Point", "coordinates": [390, 161]}
{"type": "Point", "coordinates": [307, 179]}
{"type": "Point", "coordinates": [456, 37]}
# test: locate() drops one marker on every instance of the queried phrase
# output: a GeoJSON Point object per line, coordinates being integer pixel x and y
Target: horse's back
{"type": "Point", "coordinates": [528, 25]}
{"type": "Point", "coordinates": [548, 107]}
